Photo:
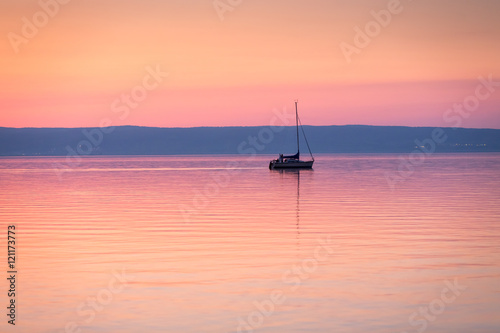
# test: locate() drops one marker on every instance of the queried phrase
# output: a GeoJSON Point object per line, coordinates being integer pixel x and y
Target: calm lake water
{"type": "Point", "coordinates": [221, 244]}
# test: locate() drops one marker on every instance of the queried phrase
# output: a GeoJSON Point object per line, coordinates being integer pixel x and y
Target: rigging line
{"type": "Point", "coordinates": [305, 137]}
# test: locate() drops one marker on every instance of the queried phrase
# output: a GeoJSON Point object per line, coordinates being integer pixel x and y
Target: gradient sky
{"type": "Point", "coordinates": [263, 55]}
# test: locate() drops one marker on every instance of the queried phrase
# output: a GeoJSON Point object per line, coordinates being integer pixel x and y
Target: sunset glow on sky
{"type": "Point", "coordinates": [72, 70]}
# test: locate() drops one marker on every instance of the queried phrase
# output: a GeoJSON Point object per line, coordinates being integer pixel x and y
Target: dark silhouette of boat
{"type": "Point", "coordinates": [293, 161]}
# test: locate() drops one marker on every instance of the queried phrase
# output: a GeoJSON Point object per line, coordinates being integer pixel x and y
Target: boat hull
{"type": "Point", "coordinates": [273, 165]}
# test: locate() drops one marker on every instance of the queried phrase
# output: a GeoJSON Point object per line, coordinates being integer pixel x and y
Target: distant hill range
{"type": "Point", "coordinates": [134, 140]}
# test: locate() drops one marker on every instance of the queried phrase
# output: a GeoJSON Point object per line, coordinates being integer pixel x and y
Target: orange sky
{"type": "Point", "coordinates": [263, 55]}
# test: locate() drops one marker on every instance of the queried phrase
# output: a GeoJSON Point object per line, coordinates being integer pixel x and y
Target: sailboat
{"type": "Point", "coordinates": [293, 161]}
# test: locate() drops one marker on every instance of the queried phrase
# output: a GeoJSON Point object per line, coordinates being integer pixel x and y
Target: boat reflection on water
{"type": "Point", "coordinates": [287, 174]}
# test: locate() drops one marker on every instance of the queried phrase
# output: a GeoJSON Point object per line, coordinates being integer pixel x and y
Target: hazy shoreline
{"type": "Point", "coordinates": [135, 140]}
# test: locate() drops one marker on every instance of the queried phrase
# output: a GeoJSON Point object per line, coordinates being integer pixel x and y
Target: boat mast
{"type": "Point", "coordinates": [297, 123]}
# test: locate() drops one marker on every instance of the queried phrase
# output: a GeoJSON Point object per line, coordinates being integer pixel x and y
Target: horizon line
{"type": "Point", "coordinates": [246, 126]}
